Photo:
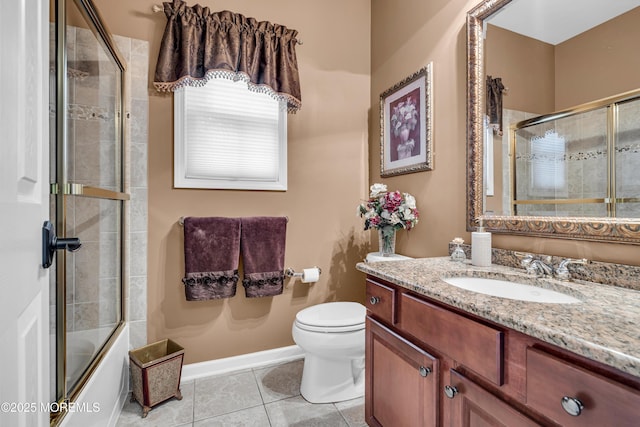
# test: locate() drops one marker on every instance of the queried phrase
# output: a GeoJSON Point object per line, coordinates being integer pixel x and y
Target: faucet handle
{"type": "Point", "coordinates": [525, 259]}
{"type": "Point", "coordinates": [527, 262]}
{"type": "Point", "coordinates": [563, 273]}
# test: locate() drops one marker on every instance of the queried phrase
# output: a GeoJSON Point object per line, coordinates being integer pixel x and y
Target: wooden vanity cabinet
{"type": "Point", "coordinates": [472, 405]}
{"type": "Point", "coordinates": [401, 382]}
{"type": "Point", "coordinates": [478, 373]}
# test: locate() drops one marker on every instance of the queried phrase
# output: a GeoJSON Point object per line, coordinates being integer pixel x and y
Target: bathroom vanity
{"type": "Point", "coordinates": [440, 355]}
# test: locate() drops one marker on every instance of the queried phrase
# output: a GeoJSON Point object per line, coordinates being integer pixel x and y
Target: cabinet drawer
{"type": "Point", "coordinates": [381, 301]}
{"type": "Point", "coordinates": [472, 344]}
{"type": "Point", "coordinates": [604, 402]}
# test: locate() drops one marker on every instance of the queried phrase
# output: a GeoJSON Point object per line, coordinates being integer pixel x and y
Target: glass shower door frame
{"type": "Point", "coordinates": [64, 190]}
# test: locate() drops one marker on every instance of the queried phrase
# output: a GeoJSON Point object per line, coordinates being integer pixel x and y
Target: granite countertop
{"type": "Point", "coordinates": [603, 327]}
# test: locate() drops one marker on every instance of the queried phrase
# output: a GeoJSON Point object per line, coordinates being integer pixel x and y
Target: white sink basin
{"type": "Point", "coordinates": [511, 290]}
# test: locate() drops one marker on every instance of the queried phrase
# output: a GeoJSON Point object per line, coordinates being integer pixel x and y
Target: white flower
{"type": "Point", "coordinates": [377, 189]}
{"type": "Point", "coordinates": [395, 219]}
{"type": "Point", "coordinates": [369, 214]}
{"type": "Point", "coordinates": [458, 241]}
{"type": "Point", "coordinates": [409, 200]}
{"type": "Point", "coordinates": [407, 214]}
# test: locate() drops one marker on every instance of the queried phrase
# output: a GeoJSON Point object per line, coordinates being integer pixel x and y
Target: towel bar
{"type": "Point", "coordinates": [181, 221]}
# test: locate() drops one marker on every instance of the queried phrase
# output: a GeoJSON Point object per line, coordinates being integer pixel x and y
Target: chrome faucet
{"type": "Point", "coordinates": [563, 273]}
{"type": "Point", "coordinates": [537, 267]}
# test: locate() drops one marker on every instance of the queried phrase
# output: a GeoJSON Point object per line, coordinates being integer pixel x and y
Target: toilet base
{"type": "Point", "coordinates": [329, 380]}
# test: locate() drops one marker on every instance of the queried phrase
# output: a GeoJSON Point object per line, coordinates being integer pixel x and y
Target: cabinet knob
{"type": "Point", "coordinates": [450, 391]}
{"type": "Point", "coordinates": [424, 371]}
{"type": "Point", "coordinates": [572, 406]}
{"type": "Point", "coordinates": [374, 300]}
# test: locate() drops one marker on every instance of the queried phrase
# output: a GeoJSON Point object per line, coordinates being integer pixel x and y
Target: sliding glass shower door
{"type": "Point", "coordinates": [87, 194]}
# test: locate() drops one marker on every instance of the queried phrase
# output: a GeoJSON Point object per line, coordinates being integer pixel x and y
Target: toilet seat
{"type": "Point", "coordinates": [332, 317]}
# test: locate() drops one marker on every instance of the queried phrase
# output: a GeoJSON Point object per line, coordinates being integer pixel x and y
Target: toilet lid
{"type": "Point", "coordinates": [340, 315]}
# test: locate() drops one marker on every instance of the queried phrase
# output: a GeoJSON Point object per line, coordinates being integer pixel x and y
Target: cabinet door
{"type": "Point", "coordinates": [401, 381]}
{"type": "Point", "coordinates": [473, 406]}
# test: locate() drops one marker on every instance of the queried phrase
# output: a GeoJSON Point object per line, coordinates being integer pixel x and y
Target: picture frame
{"type": "Point", "coordinates": [406, 125]}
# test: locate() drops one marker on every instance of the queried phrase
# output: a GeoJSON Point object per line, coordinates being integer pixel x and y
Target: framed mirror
{"type": "Point", "coordinates": [567, 65]}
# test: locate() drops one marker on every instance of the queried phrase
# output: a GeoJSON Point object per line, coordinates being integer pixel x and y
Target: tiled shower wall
{"type": "Point", "coordinates": [585, 162]}
{"type": "Point", "coordinates": [628, 158]}
{"type": "Point", "coordinates": [136, 54]}
{"type": "Point", "coordinates": [90, 306]}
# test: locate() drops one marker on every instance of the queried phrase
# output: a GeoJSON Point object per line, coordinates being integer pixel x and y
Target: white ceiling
{"type": "Point", "coordinates": [554, 21]}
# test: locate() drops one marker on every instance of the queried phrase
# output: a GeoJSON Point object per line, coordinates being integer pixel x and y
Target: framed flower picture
{"type": "Point", "coordinates": [405, 125]}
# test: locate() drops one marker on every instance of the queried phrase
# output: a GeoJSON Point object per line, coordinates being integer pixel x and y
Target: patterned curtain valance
{"type": "Point", "coordinates": [495, 88]}
{"type": "Point", "coordinates": [199, 45]}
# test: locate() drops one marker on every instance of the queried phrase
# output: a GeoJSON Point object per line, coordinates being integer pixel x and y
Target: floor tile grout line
{"type": "Point", "coordinates": [193, 408]}
{"type": "Point", "coordinates": [341, 414]}
{"type": "Point", "coordinates": [231, 412]}
{"type": "Point", "coordinates": [264, 407]}
{"type": "Point", "coordinates": [255, 378]}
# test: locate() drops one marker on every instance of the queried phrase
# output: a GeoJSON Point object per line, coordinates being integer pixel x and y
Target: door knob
{"type": "Point", "coordinates": [374, 300]}
{"type": "Point", "coordinates": [51, 243]}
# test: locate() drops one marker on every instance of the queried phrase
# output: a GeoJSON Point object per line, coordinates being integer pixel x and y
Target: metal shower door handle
{"type": "Point", "coordinates": [51, 243]}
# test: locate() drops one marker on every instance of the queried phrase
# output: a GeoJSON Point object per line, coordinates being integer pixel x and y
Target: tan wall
{"type": "Point", "coordinates": [599, 63]}
{"type": "Point", "coordinates": [403, 40]}
{"type": "Point", "coordinates": [527, 69]}
{"type": "Point", "coordinates": [328, 177]}
{"type": "Point", "coordinates": [327, 164]}
{"type": "Point", "coordinates": [543, 78]}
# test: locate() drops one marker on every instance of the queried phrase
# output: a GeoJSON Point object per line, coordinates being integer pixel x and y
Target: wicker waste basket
{"type": "Point", "coordinates": [155, 373]}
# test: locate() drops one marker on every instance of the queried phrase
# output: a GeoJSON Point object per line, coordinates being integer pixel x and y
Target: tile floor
{"type": "Point", "coordinates": [261, 397]}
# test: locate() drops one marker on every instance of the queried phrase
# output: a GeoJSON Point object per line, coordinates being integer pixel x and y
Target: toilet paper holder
{"type": "Point", "coordinates": [290, 272]}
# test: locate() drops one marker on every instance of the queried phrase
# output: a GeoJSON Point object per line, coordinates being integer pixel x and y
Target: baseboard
{"type": "Point", "coordinates": [194, 371]}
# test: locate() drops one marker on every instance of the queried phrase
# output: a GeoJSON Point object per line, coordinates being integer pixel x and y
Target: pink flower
{"type": "Point", "coordinates": [392, 201]}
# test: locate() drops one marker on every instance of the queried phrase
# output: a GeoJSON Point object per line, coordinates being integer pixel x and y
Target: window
{"type": "Point", "coordinates": [229, 137]}
{"type": "Point", "coordinates": [549, 164]}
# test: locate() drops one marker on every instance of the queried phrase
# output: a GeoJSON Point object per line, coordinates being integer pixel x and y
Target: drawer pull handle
{"type": "Point", "coordinates": [450, 391]}
{"type": "Point", "coordinates": [424, 371]}
{"type": "Point", "coordinates": [374, 300]}
{"type": "Point", "coordinates": [572, 406]}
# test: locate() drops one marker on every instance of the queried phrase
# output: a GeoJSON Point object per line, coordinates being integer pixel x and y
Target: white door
{"type": "Point", "coordinates": [24, 206]}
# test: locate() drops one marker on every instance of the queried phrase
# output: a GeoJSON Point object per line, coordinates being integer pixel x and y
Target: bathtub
{"type": "Point", "coordinates": [102, 398]}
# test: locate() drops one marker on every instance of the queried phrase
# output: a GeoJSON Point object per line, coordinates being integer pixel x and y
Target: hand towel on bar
{"type": "Point", "coordinates": [211, 257]}
{"type": "Point", "coordinates": [262, 242]}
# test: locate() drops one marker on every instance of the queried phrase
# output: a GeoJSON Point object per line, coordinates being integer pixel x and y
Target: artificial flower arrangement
{"type": "Point", "coordinates": [388, 209]}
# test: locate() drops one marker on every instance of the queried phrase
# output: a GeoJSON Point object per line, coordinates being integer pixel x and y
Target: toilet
{"type": "Point", "coordinates": [332, 337]}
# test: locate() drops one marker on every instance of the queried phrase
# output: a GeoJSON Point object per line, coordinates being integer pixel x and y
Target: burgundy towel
{"type": "Point", "coordinates": [211, 257]}
{"type": "Point", "coordinates": [263, 242]}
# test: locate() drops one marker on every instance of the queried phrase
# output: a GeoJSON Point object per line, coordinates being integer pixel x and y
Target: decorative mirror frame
{"type": "Point", "coordinates": [621, 230]}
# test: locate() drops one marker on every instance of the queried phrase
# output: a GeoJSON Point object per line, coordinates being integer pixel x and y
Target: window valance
{"type": "Point", "coordinates": [495, 88]}
{"type": "Point", "coordinates": [199, 45]}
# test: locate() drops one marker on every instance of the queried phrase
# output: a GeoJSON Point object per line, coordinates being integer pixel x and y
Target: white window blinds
{"type": "Point", "coordinates": [229, 137]}
{"type": "Point", "coordinates": [549, 163]}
